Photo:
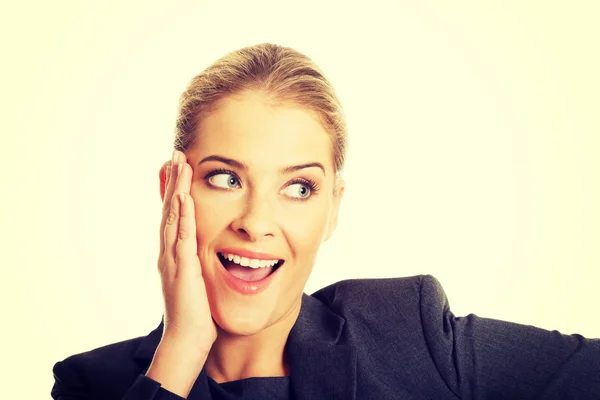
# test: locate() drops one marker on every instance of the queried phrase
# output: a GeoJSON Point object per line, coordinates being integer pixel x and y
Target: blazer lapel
{"type": "Point", "coordinates": [320, 368]}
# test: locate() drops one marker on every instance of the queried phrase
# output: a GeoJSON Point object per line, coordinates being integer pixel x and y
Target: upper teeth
{"type": "Point", "coordinates": [249, 262]}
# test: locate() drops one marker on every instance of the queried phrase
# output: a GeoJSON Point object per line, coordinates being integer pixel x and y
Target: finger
{"type": "Point", "coordinates": [182, 157]}
{"type": "Point", "coordinates": [180, 182]}
{"type": "Point", "coordinates": [172, 176]}
{"type": "Point", "coordinates": [165, 207]}
{"type": "Point", "coordinates": [186, 249]}
{"type": "Point", "coordinates": [171, 172]}
{"type": "Point", "coordinates": [167, 177]}
{"type": "Point", "coordinates": [170, 235]}
{"type": "Point", "coordinates": [184, 176]}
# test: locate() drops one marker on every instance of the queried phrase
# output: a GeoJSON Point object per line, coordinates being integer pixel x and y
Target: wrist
{"type": "Point", "coordinates": [181, 352]}
{"type": "Point", "coordinates": [175, 367]}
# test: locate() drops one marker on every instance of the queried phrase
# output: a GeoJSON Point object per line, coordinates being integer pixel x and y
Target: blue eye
{"type": "Point", "coordinates": [299, 191]}
{"type": "Point", "coordinates": [224, 180]}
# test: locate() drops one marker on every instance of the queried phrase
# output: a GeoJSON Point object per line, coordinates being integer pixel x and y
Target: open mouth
{"type": "Point", "coordinates": [247, 269]}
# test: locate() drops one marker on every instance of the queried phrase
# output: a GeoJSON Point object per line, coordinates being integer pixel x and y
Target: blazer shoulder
{"type": "Point", "coordinates": [384, 295]}
{"type": "Point", "coordinates": [111, 353]}
{"type": "Point", "coordinates": [101, 369]}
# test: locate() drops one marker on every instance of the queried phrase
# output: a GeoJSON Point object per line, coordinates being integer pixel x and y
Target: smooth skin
{"type": "Point", "coordinates": [258, 205]}
{"type": "Point", "coordinates": [189, 330]}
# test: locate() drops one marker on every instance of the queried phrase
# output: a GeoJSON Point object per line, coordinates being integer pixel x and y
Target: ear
{"type": "Point", "coordinates": [162, 176]}
{"type": "Point", "coordinates": [333, 216]}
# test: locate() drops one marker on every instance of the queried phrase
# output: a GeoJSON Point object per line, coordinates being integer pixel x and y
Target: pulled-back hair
{"type": "Point", "coordinates": [284, 74]}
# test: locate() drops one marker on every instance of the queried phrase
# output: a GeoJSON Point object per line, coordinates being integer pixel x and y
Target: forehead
{"type": "Point", "coordinates": [250, 129]}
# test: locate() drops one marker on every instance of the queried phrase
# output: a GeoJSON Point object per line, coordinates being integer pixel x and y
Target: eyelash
{"type": "Point", "coordinates": [219, 171]}
{"type": "Point", "coordinates": [310, 184]}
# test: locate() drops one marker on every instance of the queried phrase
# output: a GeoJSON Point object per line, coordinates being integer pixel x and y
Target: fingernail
{"type": "Point", "coordinates": [174, 157]}
{"type": "Point", "coordinates": [179, 168]}
{"type": "Point", "coordinates": [182, 197]}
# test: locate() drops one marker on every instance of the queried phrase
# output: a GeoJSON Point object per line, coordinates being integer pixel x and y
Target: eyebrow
{"type": "Point", "coordinates": [242, 166]}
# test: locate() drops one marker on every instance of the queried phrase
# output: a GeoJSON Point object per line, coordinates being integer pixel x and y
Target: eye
{"type": "Point", "coordinates": [224, 180]}
{"type": "Point", "coordinates": [299, 190]}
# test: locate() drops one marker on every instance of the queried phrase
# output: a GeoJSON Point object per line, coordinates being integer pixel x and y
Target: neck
{"type": "Point", "coordinates": [233, 357]}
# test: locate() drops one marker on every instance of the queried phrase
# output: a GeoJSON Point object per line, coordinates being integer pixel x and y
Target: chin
{"type": "Point", "coordinates": [240, 310]}
{"type": "Point", "coordinates": [241, 321]}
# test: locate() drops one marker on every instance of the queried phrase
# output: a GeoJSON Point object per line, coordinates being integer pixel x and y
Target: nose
{"type": "Point", "coordinates": [256, 221]}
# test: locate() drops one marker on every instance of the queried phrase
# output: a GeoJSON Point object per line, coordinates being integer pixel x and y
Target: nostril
{"type": "Point", "coordinates": [253, 237]}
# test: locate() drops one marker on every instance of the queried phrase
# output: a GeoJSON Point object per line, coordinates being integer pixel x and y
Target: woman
{"type": "Point", "coordinates": [252, 191]}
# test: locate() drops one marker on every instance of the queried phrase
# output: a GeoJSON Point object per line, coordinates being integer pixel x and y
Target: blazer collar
{"type": "Point", "coordinates": [320, 367]}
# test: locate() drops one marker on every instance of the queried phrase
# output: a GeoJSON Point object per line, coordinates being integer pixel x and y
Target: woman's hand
{"type": "Point", "coordinates": [187, 313]}
{"type": "Point", "coordinates": [189, 330]}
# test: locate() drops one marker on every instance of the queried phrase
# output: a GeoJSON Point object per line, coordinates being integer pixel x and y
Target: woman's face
{"type": "Point", "coordinates": [264, 183]}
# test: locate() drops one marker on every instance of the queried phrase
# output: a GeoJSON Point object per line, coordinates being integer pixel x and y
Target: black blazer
{"type": "Point", "coordinates": [375, 339]}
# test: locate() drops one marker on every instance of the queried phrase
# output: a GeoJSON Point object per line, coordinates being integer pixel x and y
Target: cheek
{"type": "Point", "coordinates": [305, 228]}
{"type": "Point", "coordinates": [211, 219]}
{"type": "Point", "coordinates": [301, 225]}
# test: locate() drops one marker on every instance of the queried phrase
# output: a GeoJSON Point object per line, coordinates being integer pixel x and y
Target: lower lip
{"type": "Point", "coordinates": [245, 287]}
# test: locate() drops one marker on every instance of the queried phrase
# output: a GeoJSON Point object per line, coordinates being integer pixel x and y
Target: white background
{"type": "Point", "coordinates": [474, 156]}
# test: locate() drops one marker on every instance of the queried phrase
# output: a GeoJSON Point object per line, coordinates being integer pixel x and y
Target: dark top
{"type": "Point", "coordinates": [375, 339]}
{"type": "Point", "coordinates": [276, 388]}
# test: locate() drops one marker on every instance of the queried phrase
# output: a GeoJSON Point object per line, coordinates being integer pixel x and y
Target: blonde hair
{"type": "Point", "coordinates": [284, 74]}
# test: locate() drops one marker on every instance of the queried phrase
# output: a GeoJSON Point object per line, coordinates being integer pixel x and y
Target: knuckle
{"type": "Point", "coordinates": [161, 267]}
{"type": "Point", "coordinates": [171, 217]}
{"type": "Point", "coordinates": [165, 270]}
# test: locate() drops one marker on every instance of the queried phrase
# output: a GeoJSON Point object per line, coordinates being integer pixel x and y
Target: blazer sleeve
{"type": "Point", "coordinates": [70, 385]}
{"type": "Point", "coordinates": [482, 358]}
{"type": "Point", "coordinates": [146, 388]}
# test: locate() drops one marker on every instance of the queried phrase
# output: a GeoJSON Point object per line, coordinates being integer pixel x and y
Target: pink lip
{"type": "Point", "coordinates": [242, 286]}
{"type": "Point", "coordinates": [249, 254]}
